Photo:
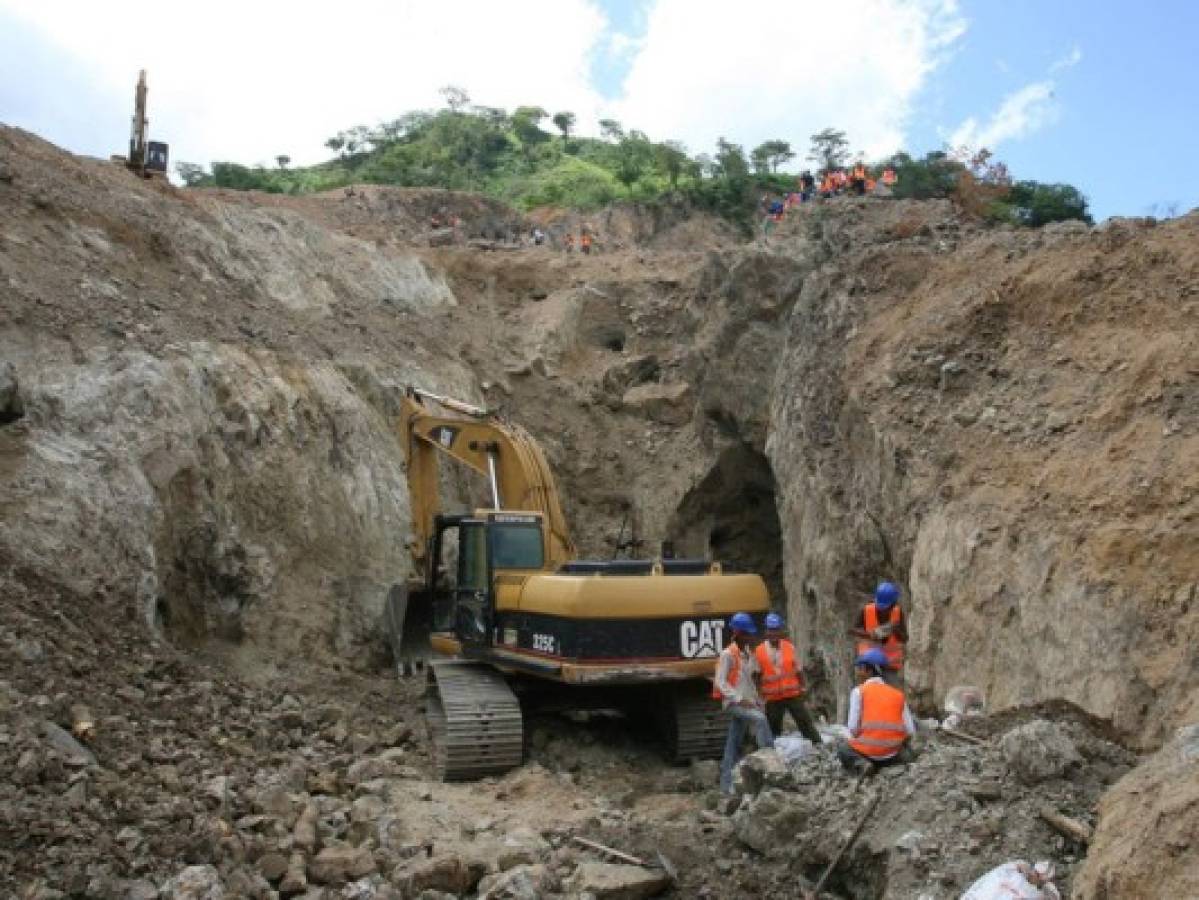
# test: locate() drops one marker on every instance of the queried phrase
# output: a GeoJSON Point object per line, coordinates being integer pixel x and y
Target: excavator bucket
{"type": "Point", "coordinates": [408, 619]}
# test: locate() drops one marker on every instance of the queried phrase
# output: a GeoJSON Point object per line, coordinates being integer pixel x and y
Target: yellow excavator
{"type": "Point", "coordinates": [506, 614]}
{"type": "Point", "coordinates": [149, 159]}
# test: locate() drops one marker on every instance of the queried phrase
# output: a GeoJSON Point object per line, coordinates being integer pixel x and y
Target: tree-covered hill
{"type": "Point", "coordinates": [531, 157]}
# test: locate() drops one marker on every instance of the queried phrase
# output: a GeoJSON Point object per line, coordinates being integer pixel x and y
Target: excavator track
{"type": "Point", "coordinates": [474, 721]}
{"type": "Point", "coordinates": [698, 725]}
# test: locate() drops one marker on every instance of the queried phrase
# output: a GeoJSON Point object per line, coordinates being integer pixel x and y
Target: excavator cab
{"type": "Point", "coordinates": [458, 599]}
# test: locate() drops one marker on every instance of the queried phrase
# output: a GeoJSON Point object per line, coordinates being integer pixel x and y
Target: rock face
{"type": "Point", "coordinates": [228, 491]}
{"type": "Point", "coordinates": [1145, 840]}
{"type": "Point", "coordinates": [971, 416]}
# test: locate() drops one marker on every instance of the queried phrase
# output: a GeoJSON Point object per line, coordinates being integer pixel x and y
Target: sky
{"type": "Point", "coordinates": [1097, 93]}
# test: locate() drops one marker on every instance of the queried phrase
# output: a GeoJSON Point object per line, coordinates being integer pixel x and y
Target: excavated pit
{"type": "Point", "coordinates": [731, 516]}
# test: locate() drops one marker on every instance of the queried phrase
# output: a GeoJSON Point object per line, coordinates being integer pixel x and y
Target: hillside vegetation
{"type": "Point", "coordinates": [512, 157]}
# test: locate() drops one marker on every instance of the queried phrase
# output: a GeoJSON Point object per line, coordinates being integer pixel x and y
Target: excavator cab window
{"type": "Point", "coordinates": [517, 546]}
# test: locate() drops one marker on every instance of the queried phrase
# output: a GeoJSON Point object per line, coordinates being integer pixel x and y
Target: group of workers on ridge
{"type": "Point", "coordinates": [759, 681]}
{"type": "Point", "coordinates": [858, 180]}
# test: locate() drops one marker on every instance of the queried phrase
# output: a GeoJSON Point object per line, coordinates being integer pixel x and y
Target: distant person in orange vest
{"type": "Point", "coordinates": [736, 688]}
{"type": "Point", "coordinates": [880, 723]}
{"type": "Point", "coordinates": [858, 179]}
{"type": "Point", "coordinates": [881, 626]}
{"type": "Point", "coordinates": [889, 177]}
{"type": "Point", "coordinates": [782, 681]}
{"type": "Point", "coordinates": [827, 185]}
{"type": "Point", "coordinates": [570, 242]}
{"type": "Point", "coordinates": [585, 242]}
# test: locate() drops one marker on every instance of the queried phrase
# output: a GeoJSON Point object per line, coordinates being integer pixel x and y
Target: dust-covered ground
{"type": "Point", "coordinates": [319, 782]}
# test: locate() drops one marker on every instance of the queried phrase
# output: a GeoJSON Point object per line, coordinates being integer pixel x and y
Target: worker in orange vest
{"type": "Point", "coordinates": [881, 625]}
{"type": "Point", "coordinates": [585, 242]}
{"type": "Point", "coordinates": [889, 177]}
{"type": "Point", "coordinates": [858, 179]}
{"type": "Point", "coordinates": [782, 681]}
{"type": "Point", "coordinates": [570, 241]}
{"type": "Point", "coordinates": [736, 687]}
{"type": "Point", "coordinates": [880, 723]}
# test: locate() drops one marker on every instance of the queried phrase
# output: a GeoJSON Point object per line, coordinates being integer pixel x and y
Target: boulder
{"type": "Point", "coordinates": [521, 847]}
{"type": "Point", "coordinates": [272, 866]}
{"type": "Point", "coordinates": [609, 881]}
{"type": "Point", "coordinates": [304, 834]}
{"type": "Point", "coordinates": [761, 769]}
{"type": "Point", "coordinates": [73, 752]}
{"type": "Point", "coordinates": [521, 883]}
{"type": "Point", "coordinates": [439, 873]}
{"type": "Point", "coordinates": [195, 883]}
{"type": "Point", "coordinates": [1039, 750]}
{"type": "Point", "coordinates": [337, 865]}
{"type": "Point", "coordinates": [670, 403]}
{"type": "Point", "coordinates": [770, 822]}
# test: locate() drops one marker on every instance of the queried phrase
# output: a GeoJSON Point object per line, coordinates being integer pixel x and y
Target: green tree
{"type": "Point", "coordinates": [456, 98]}
{"type": "Point", "coordinates": [564, 121]}
{"type": "Point", "coordinates": [730, 161]}
{"type": "Point", "coordinates": [671, 159]}
{"type": "Point", "coordinates": [526, 123]}
{"type": "Point", "coordinates": [768, 156]}
{"type": "Point", "coordinates": [1037, 204]}
{"type": "Point", "coordinates": [611, 130]}
{"type": "Point", "coordinates": [193, 175]}
{"type": "Point", "coordinates": [830, 149]}
{"type": "Point", "coordinates": [634, 155]}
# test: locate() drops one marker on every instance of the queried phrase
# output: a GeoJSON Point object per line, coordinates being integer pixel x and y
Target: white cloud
{"type": "Point", "coordinates": [1069, 61]}
{"type": "Point", "coordinates": [1019, 115]}
{"type": "Point", "coordinates": [769, 69]}
{"type": "Point", "coordinates": [249, 80]}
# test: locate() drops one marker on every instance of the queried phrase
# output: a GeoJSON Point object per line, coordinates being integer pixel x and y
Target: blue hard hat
{"type": "Point", "coordinates": [774, 620]}
{"type": "Point", "coordinates": [743, 622]}
{"type": "Point", "coordinates": [873, 658]}
{"type": "Point", "coordinates": [886, 595]}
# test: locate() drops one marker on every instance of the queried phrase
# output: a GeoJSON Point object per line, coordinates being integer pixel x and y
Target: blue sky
{"type": "Point", "coordinates": [1099, 94]}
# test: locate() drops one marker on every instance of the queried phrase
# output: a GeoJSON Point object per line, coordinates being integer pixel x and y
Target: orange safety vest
{"type": "Point", "coordinates": [892, 646]}
{"type": "Point", "coordinates": [734, 672]}
{"type": "Point", "coordinates": [881, 731]}
{"type": "Point", "coordinates": [784, 682]}
{"type": "Point", "coordinates": [859, 172]}
{"type": "Point", "coordinates": [889, 177]}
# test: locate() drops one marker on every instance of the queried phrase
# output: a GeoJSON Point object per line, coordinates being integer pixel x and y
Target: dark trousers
{"type": "Point", "coordinates": [855, 761]}
{"type": "Point", "coordinates": [775, 710]}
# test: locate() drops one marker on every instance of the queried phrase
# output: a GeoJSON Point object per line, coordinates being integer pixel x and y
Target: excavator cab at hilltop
{"type": "Point", "coordinates": [508, 613]}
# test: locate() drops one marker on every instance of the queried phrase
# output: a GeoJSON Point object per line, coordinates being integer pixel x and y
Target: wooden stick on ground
{"type": "Point", "coordinates": [616, 854]}
{"type": "Point", "coordinates": [961, 735]}
{"type": "Point", "coordinates": [1071, 828]}
{"type": "Point", "coordinates": [814, 894]}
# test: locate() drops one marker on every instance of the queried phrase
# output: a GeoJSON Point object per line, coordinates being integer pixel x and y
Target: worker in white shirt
{"type": "Point", "coordinates": [880, 723]}
{"type": "Point", "coordinates": [736, 688]}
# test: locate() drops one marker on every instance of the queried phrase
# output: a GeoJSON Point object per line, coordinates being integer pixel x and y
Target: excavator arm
{"type": "Point", "coordinates": [512, 461]}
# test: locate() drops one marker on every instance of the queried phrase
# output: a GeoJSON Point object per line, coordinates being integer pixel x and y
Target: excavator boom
{"type": "Point", "coordinates": [513, 463]}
